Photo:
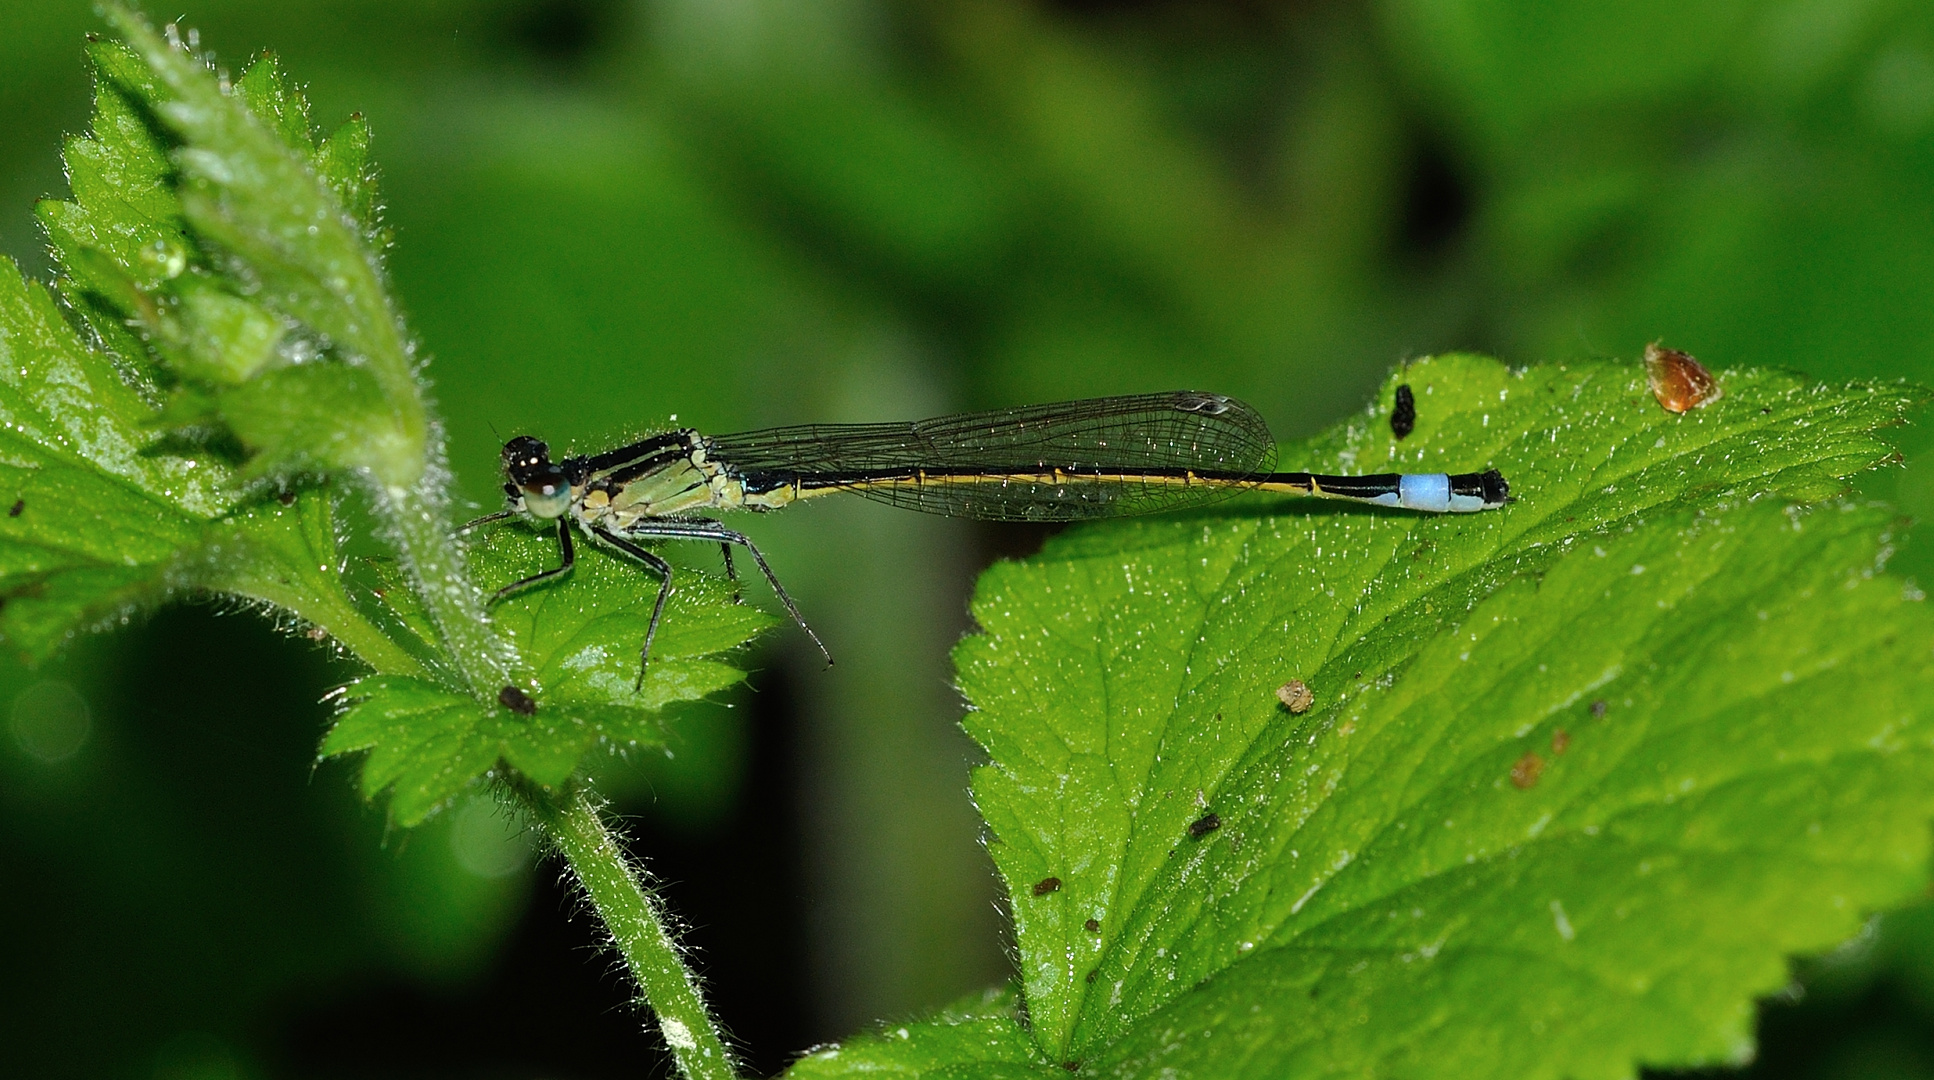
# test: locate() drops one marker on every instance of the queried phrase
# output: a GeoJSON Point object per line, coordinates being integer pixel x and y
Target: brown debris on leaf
{"type": "Point", "coordinates": [1679, 382]}
{"type": "Point", "coordinates": [1524, 774]}
{"type": "Point", "coordinates": [1295, 696]}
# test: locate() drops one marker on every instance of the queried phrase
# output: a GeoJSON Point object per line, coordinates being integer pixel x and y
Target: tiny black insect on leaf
{"type": "Point", "coordinates": [1047, 885]}
{"type": "Point", "coordinates": [517, 701]}
{"type": "Point", "coordinates": [1205, 825]}
{"type": "Point", "coordinates": [1403, 417]}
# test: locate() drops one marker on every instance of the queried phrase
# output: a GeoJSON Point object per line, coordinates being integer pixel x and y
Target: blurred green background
{"type": "Point", "coordinates": [747, 213]}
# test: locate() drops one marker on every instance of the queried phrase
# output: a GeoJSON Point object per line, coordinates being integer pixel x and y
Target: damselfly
{"type": "Point", "coordinates": [1077, 460]}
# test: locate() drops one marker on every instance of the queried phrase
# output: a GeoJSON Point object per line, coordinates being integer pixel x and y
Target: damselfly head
{"type": "Point", "coordinates": [524, 453]}
{"type": "Point", "coordinates": [544, 488]}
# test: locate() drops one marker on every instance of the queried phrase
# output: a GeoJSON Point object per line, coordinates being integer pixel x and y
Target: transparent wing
{"type": "Point", "coordinates": [1101, 457]}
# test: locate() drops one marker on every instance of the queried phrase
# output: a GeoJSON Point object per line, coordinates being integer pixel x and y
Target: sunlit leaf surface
{"type": "Point", "coordinates": [1580, 772]}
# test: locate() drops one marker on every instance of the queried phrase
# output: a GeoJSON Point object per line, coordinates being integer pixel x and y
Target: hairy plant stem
{"type": "Point", "coordinates": [631, 915]}
{"type": "Point", "coordinates": [252, 187]}
{"type": "Point", "coordinates": [417, 522]}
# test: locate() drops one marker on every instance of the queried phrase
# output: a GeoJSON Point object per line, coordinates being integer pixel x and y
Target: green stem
{"type": "Point", "coordinates": [632, 916]}
{"type": "Point", "coordinates": [417, 522]}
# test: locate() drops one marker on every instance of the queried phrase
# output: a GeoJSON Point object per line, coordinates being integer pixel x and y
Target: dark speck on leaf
{"type": "Point", "coordinates": [1403, 418]}
{"type": "Point", "coordinates": [517, 701]}
{"type": "Point", "coordinates": [1598, 709]}
{"type": "Point", "coordinates": [1047, 885]}
{"type": "Point", "coordinates": [16, 508]}
{"type": "Point", "coordinates": [286, 498]}
{"type": "Point", "coordinates": [1093, 926]}
{"type": "Point", "coordinates": [1092, 972]}
{"type": "Point", "coordinates": [1205, 825]}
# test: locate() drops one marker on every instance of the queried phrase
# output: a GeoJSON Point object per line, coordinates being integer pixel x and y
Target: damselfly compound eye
{"type": "Point", "coordinates": [547, 495]}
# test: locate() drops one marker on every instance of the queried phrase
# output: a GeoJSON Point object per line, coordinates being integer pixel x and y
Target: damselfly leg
{"type": "Point", "coordinates": [485, 520]}
{"type": "Point", "coordinates": [731, 574]}
{"type": "Point", "coordinates": [567, 555]}
{"type": "Point", "coordinates": [664, 572]}
{"type": "Point", "coordinates": [707, 529]}
{"type": "Point", "coordinates": [671, 528]}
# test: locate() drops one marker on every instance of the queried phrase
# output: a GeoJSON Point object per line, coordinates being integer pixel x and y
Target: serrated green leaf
{"type": "Point", "coordinates": [124, 204]}
{"type": "Point", "coordinates": [981, 1038]}
{"type": "Point", "coordinates": [248, 187]}
{"type": "Point", "coordinates": [1500, 880]}
{"type": "Point", "coordinates": [428, 743]}
{"type": "Point", "coordinates": [98, 517]}
{"type": "Point", "coordinates": [1125, 679]}
{"type": "Point", "coordinates": [402, 611]}
{"type": "Point", "coordinates": [109, 513]}
{"type": "Point", "coordinates": [280, 106]}
{"type": "Point", "coordinates": [581, 636]}
{"type": "Point", "coordinates": [344, 164]}
{"type": "Point", "coordinates": [286, 552]}
{"type": "Point", "coordinates": [94, 521]}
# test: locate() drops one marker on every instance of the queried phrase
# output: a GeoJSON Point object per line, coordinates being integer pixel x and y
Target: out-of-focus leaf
{"type": "Point", "coordinates": [314, 417]}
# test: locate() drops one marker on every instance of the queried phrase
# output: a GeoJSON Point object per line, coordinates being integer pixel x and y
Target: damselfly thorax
{"type": "Point", "coordinates": [1073, 461]}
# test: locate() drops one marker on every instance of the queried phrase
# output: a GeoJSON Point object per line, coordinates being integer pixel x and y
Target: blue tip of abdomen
{"type": "Point", "coordinates": [1424, 491]}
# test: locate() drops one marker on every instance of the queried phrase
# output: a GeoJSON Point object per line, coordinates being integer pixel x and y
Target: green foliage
{"type": "Point", "coordinates": [428, 744]}
{"type": "Point", "coordinates": [1454, 862]}
{"type": "Point", "coordinates": [983, 1037]}
{"type": "Point", "coordinates": [1581, 773]}
{"type": "Point", "coordinates": [1499, 875]}
{"type": "Point", "coordinates": [94, 523]}
{"type": "Point", "coordinates": [582, 640]}
{"type": "Point", "coordinates": [234, 338]}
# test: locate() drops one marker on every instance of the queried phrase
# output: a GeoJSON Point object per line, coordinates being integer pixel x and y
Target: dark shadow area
{"type": "Point", "coordinates": [551, 1005]}
{"type": "Point", "coordinates": [738, 888]}
{"type": "Point", "coordinates": [1437, 203]}
{"type": "Point", "coordinates": [998, 540]}
{"type": "Point", "coordinates": [561, 34]}
{"type": "Point", "coordinates": [1875, 1032]}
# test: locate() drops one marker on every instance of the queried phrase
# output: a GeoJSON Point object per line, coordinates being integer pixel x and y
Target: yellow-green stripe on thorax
{"type": "Point", "coordinates": [685, 484]}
